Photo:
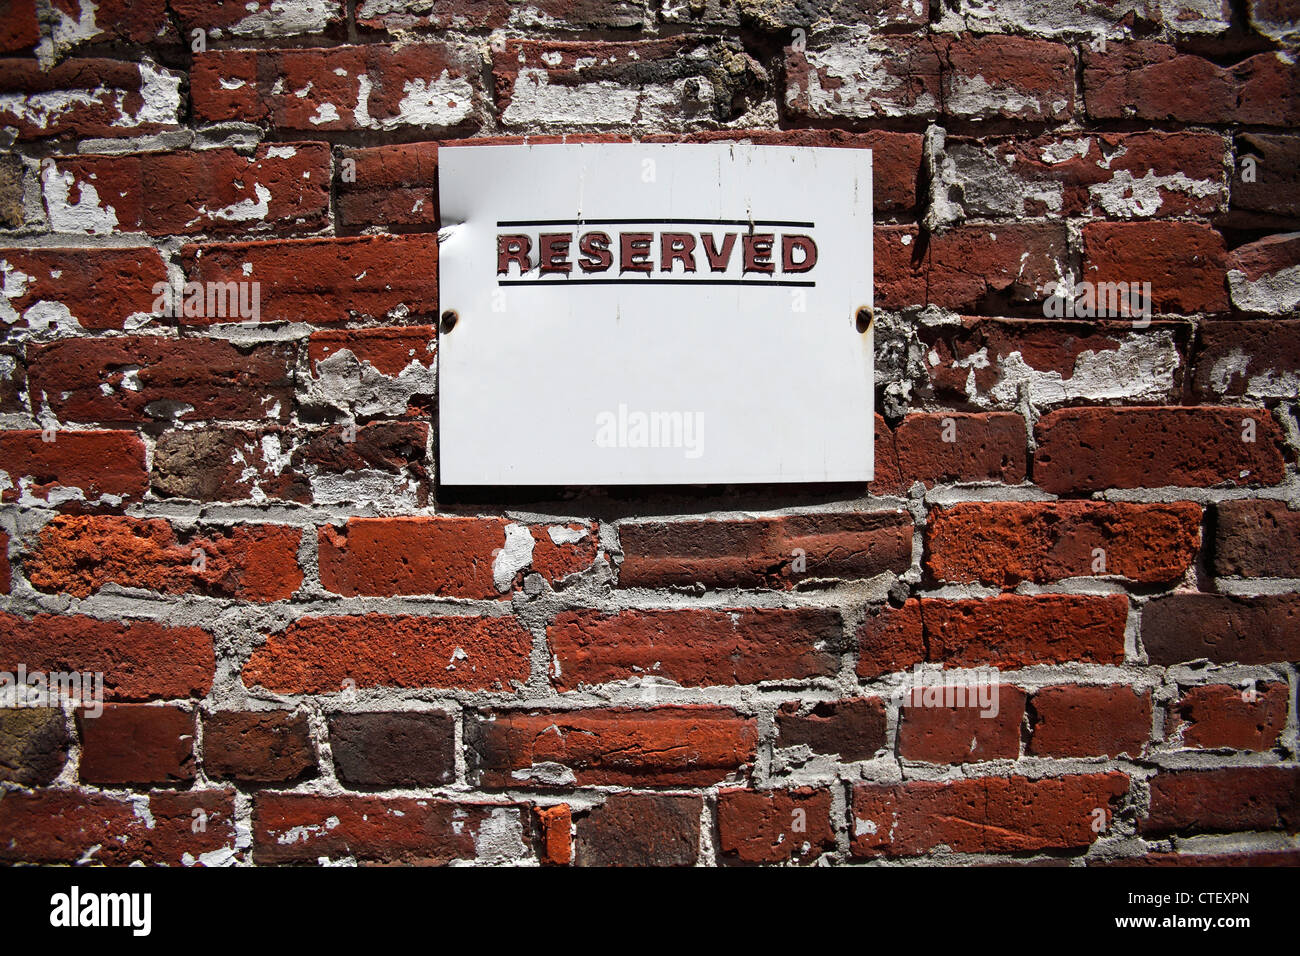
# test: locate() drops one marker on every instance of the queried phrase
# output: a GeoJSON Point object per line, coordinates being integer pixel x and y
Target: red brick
{"type": "Point", "coordinates": [1015, 630]}
{"type": "Point", "coordinates": [97, 463]}
{"type": "Point", "coordinates": [890, 639]}
{"type": "Point", "coordinates": [420, 85]}
{"type": "Point", "coordinates": [1222, 628]}
{"type": "Point", "coordinates": [137, 744]}
{"type": "Point", "coordinates": [888, 478]}
{"type": "Point", "coordinates": [1113, 175]}
{"type": "Point", "coordinates": [670, 80]}
{"type": "Point", "coordinates": [256, 18]}
{"type": "Point", "coordinates": [13, 384]}
{"type": "Point", "coordinates": [140, 660]}
{"type": "Point", "coordinates": [87, 288]}
{"type": "Point", "coordinates": [902, 81]}
{"type": "Point", "coordinates": [1223, 801]}
{"type": "Point", "coordinates": [1007, 77]}
{"type": "Point", "coordinates": [959, 730]}
{"type": "Point", "coordinates": [317, 655]}
{"type": "Point", "coordinates": [388, 350]}
{"type": "Point", "coordinates": [234, 464]}
{"type": "Point", "coordinates": [1080, 721]}
{"type": "Point", "coordinates": [1185, 262]}
{"type": "Point", "coordinates": [393, 185]}
{"type": "Point", "coordinates": [772, 826]}
{"type": "Point", "coordinates": [89, 98]}
{"type": "Point", "coordinates": [462, 14]}
{"type": "Point", "coordinates": [444, 555]}
{"type": "Point", "coordinates": [1004, 543]}
{"type": "Point", "coordinates": [324, 281]}
{"type": "Point", "coordinates": [125, 21]}
{"type": "Point", "coordinates": [1273, 196]}
{"type": "Point", "coordinates": [1082, 450]}
{"type": "Point", "coordinates": [33, 745]}
{"type": "Point", "coordinates": [1257, 539]}
{"type": "Point", "coordinates": [764, 552]}
{"type": "Point", "coordinates": [617, 746]}
{"type": "Point", "coordinates": [72, 826]}
{"type": "Point", "coordinates": [268, 746]}
{"type": "Point", "coordinates": [969, 267]}
{"type": "Point", "coordinates": [387, 750]}
{"type": "Point", "coordinates": [138, 378]}
{"type": "Point", "coordinates": [19, 28]}
{"type": "Point", "coordinates": [307, 827]}
{"type": "Point", "coordinates": [641, 829]}
{"type": "Point", "coordinates": [694, 647]}
{"type": "Point", "coordinates": [1260, 275]}
{"type": "Point", "coordinates": [1258, 359]}
{"type": "Point", "coordinates": [556, 825]}
{"type": "Point", "coordinates": [982, 814]}
{"type": "Point", "coordinates": [852, 729]}
{"type": "Point", "coordinates": [206, 191]}
{"type": "Point", "coordinates": [1251, 717]}
{"type": "Point", "coordinates": [79, 554]}
{"type": "Point", "coordinates": [1153, 81]}
{"type": "Point", "coordinates": [987, 447]}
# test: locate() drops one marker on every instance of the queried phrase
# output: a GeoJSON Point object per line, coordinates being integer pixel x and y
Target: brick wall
{"type": "Point", "coordinates": [310, 651]}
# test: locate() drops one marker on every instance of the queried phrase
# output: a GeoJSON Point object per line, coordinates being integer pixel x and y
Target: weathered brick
{"type": "Point", "coordinates": [72, 826]}
{"type": "Point", "coordinates": [1264, 276]}
{"type": "Point", "coordinates": [19, 28]}
{"type": "Point", "coordinates": [471, 14]}
{"type": "Point", "coordinates": [1257, 359]}
{"type": "Point", "coordinates": [265, 746]}
{"type": "Point", "coordinates": [140, 378]}
{"type": "Point", "coordinates": [639, 829]}
{"type": "Point", "coordinates": [1081, 450]}
{"type": "Point", "coordinates": [1014, 630]}
{"type": "Point", "coordinates": [79, 554]}
{"type": "Point", "coordinates": [1007, 77]}
{"type": "Point", "coordinates": [694, 647]}
{"type": "Point", "coordinates": [58, 290]}
{"type": "Point", "coordinates": [771, 826]}
{"type": "Point", "coordinates": [140, 660]}
{"type": "Point", "coordinates": [997, 363]}
{"type": "Point", "coordinates": [307, 828]}
{"type": "Point", "coordinates": [1090, 18]}
{"type": "Point", "coordinates": [1153, 81]}
{"type": "Point", "coordinates": [1004, 543]}
{"type": "Point", "coordinates": [1185, 262]}
{"type": "Point", "coordinates": [385, 750]}
{"type": "Point", "coordinates": [864, 77]}
{"type": "Point", "coordinates": [890, 639]}
{"type": "Point", "coordinates": [1074, 720]}
{"type": "Point", "coordinates": [137, 744]}
{"type": "Point", "coordinates": [852, 729]}
{"type": "Point", "coordinates": [389, 186]}
{"type": "Point", "coordinates": [1257, 539]}
{"type": "Point", "coordinates": [13, 183]}
{"type": "Point", "coordinates": [87, 98]}
{"type": "Point", "coordinates": [764, 552]}
{"type": "Point", "coordinates": [1116, 175]}
{"type": "Point", "coordinates": [459, 557]}
{"type": "Point", "coordinates": [1219, 801]}
{"type": "Point", "coordinates": [281, 187]}
{"type": "Point", "coordinates": [938, 726]}
{"type": "Point", "coordinates": [1222, 628]}
{"type": "Point", "coordinates": [945, 447]}
{"type": "Point", "coordinates": [123, 21]}
{"type": "Point", "coordinates": [982, 814]}
{"type": "Point", "coordinates": [375, 86]}
{"type": "Point", "coordinates": [969, 267]}
{"type": "Point", "coordinates": [389, 350]}
{"type": "Point", "coordinates": [222, 19]}
{"type": "Point", "coordinates": [1271, 192]}
{"type": "Point", "coordinates": [618, 746]}
{"type": "Point", "coordinates": [316, 655]}
{"type": "Point", "coordinates": [33, 745]}
{"type": "Point", "coordinates": [324, 281]}
{"type": "Point", "coordinates": [1249, 717]}
{"type": "Point", "coordinates": [556, 825]}
{"type": "Point", "coordinates": [84, 465]}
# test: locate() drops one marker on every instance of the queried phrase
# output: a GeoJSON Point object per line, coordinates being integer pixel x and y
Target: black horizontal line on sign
{"type": "Point", "coordinates": [562, 282]}
{"type": "Point", "coordinates": [670, 222]}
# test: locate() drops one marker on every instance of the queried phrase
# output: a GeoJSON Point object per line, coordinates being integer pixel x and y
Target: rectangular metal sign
{"type": "Point", "coordinates": [654, 313]}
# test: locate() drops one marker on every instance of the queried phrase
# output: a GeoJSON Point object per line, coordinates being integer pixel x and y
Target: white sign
{"type": "Point", "coordinates": [651, 314]}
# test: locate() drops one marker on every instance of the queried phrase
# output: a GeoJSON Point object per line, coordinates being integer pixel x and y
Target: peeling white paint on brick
{"type": "Point", "coordinates": [1275, 293]}
{"type": "Point", "coordinates": [85, 215]}
{"type": "Point", "coordinates": [516, 555]}
{"type": "Point", "coordinates": [1127, 197]}
{"type": "Point", "coordinates": [865, 83]}
{"type": "Point", "coordinates": [1140, 370]}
